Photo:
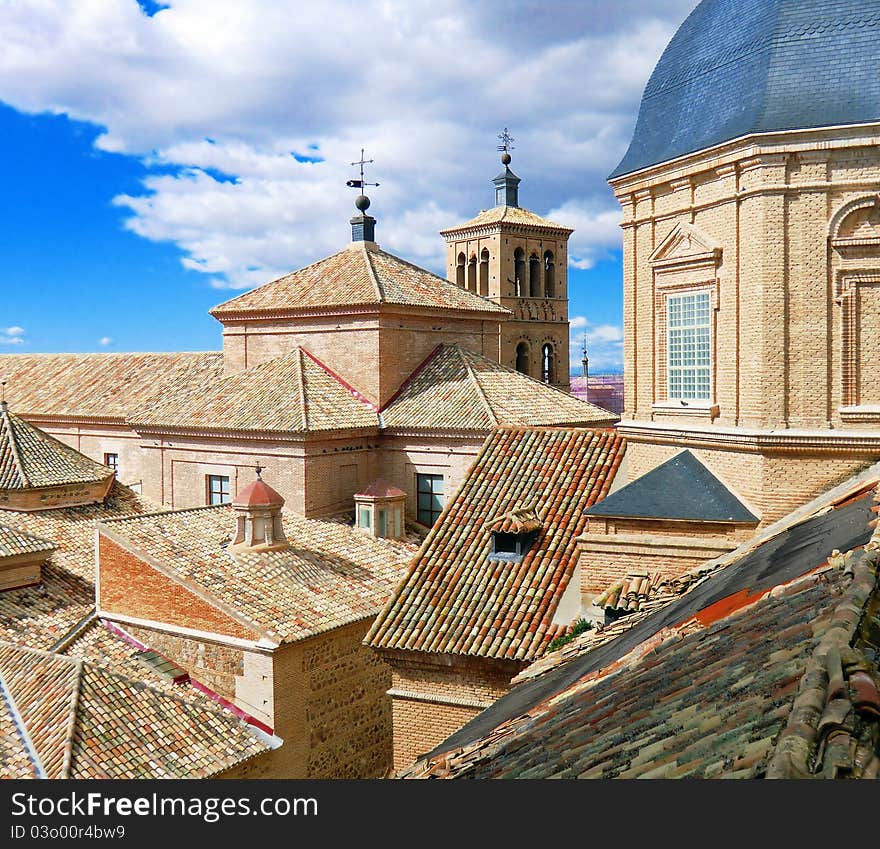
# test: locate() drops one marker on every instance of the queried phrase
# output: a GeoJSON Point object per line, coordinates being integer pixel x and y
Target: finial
{"type": "Point", "coordinates": [362, 202]}
{"type": "Point", "coordinates": [259, 470]}
{"type": "Point", "coordinates": [506, 146]}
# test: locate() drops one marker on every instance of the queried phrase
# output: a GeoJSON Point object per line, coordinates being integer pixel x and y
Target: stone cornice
{"type": "Point", "coordinates": [163, 432]}
{"type": "Point", "coordinates": [754, 440]}
{"type": "Point", "coordinates": [494, 227]}
{"type": "Point", "coordinates": [343, 310]}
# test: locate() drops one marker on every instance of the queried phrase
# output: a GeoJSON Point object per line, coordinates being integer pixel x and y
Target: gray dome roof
{"type": "Point", "coordinates": [737, 67]}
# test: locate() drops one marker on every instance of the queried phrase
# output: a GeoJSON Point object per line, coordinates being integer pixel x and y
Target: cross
{"type": "Point", "coordinates": [506, 141]}
{"type": "Point", "coordinates": [360, 184]}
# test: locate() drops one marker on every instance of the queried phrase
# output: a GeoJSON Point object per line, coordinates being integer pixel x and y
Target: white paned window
{"type": "Point", "coordinates": [687, 326]}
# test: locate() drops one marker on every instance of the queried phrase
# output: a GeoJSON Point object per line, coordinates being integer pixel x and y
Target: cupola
{"type": "Point", "coordinates": [258, 518]}
{"type": "Point", "coordinates": [380, 508]}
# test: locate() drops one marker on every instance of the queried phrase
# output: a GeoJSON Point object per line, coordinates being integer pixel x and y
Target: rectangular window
{"type": "Point", "coordinates": [112, 460]}
{"type": "Point", "coordinates": [687, 330]}
{"type": "Point", "coordinates": [430, 498]}
{"type": "Point", "coordinates": [218, 489]}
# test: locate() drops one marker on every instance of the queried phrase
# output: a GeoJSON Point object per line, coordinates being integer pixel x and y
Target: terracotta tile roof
{"type": "Point", "coordinates": [41, 615]}
{"type": "Point", "coordinates": [633, 592]}
{"type": "Point", "coordinates": [766, 667]}
{"type": "Point", "coordinates": [104, 386]}
{"type": "Point", "coordinates": [453, 599]}
{"type": "Point", "coordinates": [357, 276]}
{"type": "Point", "coordinates": [13, 542]}
{"type": "Point", "coordinates": [507, 215]}
{"type": "Point", "coordinates": [87, 721]}
{"type": "Point", "coordinates": [293, 393]}
{"type": "Point", "coordinates": [332, 575]}
{"type": "Point", "coordinates": [30, 458]}
{"type": "Point", "coordinates": [380, 488]}
{"type": "Point", "coordinates": [458, 389]}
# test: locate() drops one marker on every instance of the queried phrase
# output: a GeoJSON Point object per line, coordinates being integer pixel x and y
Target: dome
{"type": "Point", "coordinates": [258, 494]}
{"type": "Point", "coordinates": [737, 67]}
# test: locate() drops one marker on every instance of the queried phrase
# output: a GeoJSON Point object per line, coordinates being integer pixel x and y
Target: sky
{"type": "Point", "coordinates": [160, 157]}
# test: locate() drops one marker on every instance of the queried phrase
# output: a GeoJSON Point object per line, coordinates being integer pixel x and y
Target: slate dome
{"type": "Point", "coordinates": [737, 67]}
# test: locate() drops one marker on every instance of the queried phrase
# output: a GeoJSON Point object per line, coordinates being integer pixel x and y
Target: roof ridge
{"type": "Point", "coordinates": [21, 727]}
{"type": "Point", "coordinates": [153, 513]}
{"type": "Point", "coordinates": [13, 445]}
{"type": "Point", "coordinates": [412, 376]}
{"type": "Point", "coordinates": [374, 277]}
{"type": "Point", "coordinates": [356, 393]}
{"type": "Point", "coordinates": [301, 386]}
{"type": "Point", "coordinates": [72, 717]}
{"type": "Point", "coordinates": [493, 418]}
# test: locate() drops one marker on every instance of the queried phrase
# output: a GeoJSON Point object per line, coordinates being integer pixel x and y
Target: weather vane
{"type": "Point", "coordinates": [506, 145]}
{"type": "Point", "coordinates": [361, 184]}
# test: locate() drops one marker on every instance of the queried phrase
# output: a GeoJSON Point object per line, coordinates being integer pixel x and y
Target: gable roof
{"type": "Point", "coordinates": [457, 389]}
{"type": "Point", "coordinates": [332, 575]}
{"type": "Point", "coordinates": [507, 215]}
{"type": "Point", "coordinates": [30, 458]}
{"type": "Point", "coordinates": [682, 488]}
{"type": "Point", "coordinates": [77, 719]}
{"type": "Point", "coordinates": [453, 599]}
{"type": "Point", "coordinates": [358, 275]}
{"type": "Point", "coordinates": [782, 554]}
{"type": "Point", "coordinates": [293, 393]}
{"type": "Point", "coordinates": [103, 386]}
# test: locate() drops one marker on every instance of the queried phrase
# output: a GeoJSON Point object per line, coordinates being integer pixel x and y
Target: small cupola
{"type": "Point", "coordinates": [258, 518]}
{"type": "Point", "coordinates": [513, 533]}
{"type": "Point", "coordinates": [380, 509]}
{"type": "Point", "coordinates": [506, 183]}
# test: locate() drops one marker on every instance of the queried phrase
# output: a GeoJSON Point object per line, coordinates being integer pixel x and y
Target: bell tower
{"type": "Point", "coordinates": [520, 261]}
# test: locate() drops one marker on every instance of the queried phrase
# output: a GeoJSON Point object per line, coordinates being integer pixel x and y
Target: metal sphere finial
{"type": "Point", "coordinates": [362, 202]}
{"type": "Point", "coordinates": [505, 158]}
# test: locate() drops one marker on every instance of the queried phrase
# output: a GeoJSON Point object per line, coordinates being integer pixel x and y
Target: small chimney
{"type": "Point", "coordinates": [258, 518]}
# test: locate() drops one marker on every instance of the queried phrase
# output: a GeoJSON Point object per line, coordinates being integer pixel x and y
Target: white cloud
{"type": "Point", "coordinates": [604, 344]}
{"type": "Point", "coordinates": [222, 94]}
{"type": "Point", "coordinates": [104, 340]}
{"type": "Point", "coordinates": [12, 335]}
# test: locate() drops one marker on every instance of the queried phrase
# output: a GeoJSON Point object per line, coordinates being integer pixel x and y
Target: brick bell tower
{"type": "Point", "coordinates": [520, 261]}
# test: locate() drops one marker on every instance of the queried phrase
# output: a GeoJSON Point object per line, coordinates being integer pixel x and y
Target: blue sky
{"type": "Point", "coordinates": [159, 159]}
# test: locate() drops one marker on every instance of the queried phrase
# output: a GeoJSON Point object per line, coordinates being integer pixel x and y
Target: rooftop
{"type": "Point", "coordinates": [453, 598]}
{"type": "Point", "coordinates": [332, 574]}
{"type": "Point", "coordinates": [715, 682]}
{"type": "Point", "coordinates": [457, 389]}
{"type": "Point", "coordinates": [738, 67]}
{"type": "Point", "coordinates": [66, 718]}
{"type": "Point", "coordinates": [507, 215]}
{"type": "Point", "coordinates": [360, 275]}
{"type": "Point", "coordinates": [31, 459]}
{"type": "Point", "coordinates": [293, 394]}
{"type": "Point", "coordinates": [682, 488]}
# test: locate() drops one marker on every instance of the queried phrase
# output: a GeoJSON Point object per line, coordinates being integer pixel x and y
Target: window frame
{"type": "Point", "coordinates": [432, 512]}
{"type": "Point", "coordinates": [697, 368]}
{"type": "Point", "coordinates": [112, 465]}
{"type": "Point", "coordinates": [209, 491]}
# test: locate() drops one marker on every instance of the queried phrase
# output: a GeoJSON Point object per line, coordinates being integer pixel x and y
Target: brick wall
{"type": "Point", "coordinates": [434, 696]}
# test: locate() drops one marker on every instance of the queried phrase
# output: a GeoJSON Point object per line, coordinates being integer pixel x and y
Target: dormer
{"type": "Point", "coordinates": [259, 526]}
{"type": "Point", "coordinates": [381, 509]}
{"type": "Point", "coordinates": [513, 533]}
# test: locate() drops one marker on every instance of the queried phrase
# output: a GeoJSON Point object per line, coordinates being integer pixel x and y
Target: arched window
{"type": "Point", "coordinates": [459, 271]}
{"type": "Point", "coordinates": [549, 273]}
{"type": "Point", "coordinates": [534, 276]}
{"type": "Point", "coordinates": [472, 274]}
{"type": "Point", "coordinates": [522, 357]}
{"type": "Point", "coordinates": [484, 273]}
{"type": "Point", "coordinates": [519, 272]}
{"type": "Point", "coordinates": [548, 363]}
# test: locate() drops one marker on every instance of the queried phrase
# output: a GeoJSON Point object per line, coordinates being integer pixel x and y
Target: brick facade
{"type": "Point", "coordinates": [784, 232]}
{"type": "Point", "coordinates": [432, 696]}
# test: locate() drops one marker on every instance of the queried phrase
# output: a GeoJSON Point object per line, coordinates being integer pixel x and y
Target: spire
{"type": "Point", "coordinates": [506, 183]}
{"type": "Point", "coordinates": [363, 226]}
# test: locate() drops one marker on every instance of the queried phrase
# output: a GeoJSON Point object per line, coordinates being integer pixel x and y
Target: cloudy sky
{"type": "Point", "coordinates": [159, 156]}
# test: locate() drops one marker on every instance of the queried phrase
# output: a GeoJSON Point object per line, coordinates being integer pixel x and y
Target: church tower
{"type": "Point", "coordinates": [520, 261]}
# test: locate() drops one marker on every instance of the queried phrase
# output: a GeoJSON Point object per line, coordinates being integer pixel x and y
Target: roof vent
{"type": "Point", "coordinates": [258, 518]}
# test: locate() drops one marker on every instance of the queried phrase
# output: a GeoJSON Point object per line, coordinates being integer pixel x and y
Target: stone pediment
{"type": "Point", "coordinates": [686, 246]}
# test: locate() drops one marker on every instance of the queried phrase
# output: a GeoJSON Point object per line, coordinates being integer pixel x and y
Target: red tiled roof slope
{"type": "Point", "coordinates": [357, 276]}
{"type": "Point", "coordinates": [457, 389]}
{"type": "Point", "coordinates": [292, 393]}
{"type": "Point", "coordinates": [453, 599]}
{"type": "Point", "coordinates": [105, 386]}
